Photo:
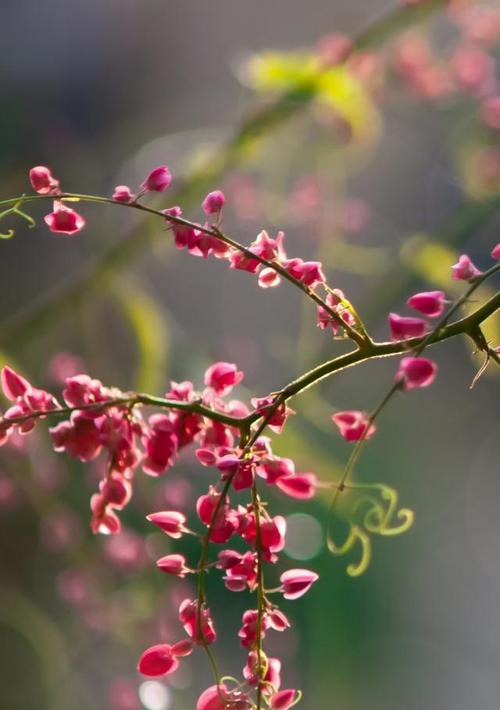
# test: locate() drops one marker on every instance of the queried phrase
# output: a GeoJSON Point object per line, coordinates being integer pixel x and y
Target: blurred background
{"type": "Point", "coordinates": [385, 169]}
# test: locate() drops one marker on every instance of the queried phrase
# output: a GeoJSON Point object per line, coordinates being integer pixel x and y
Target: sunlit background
{"type": "Point", "coordinates": [383, 180]}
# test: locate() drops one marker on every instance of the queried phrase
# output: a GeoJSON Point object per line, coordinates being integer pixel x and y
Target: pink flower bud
{"type": "Point", "coordinates": [354, 425]}
{"type": "Point", "coordinates": [464, 269]}
{"type": "Point", "coordinates": [43, 181]}
{"type": "Point", "coordinates": [122, 193]}
{"type": "Point", "coordinates": [64, 220]}
{"type": "Point", "coordinates": [296, 582]}
{"type": "Point", "coordinates": [495, 253]}
{"type": "Point", "coordinates": [157, 661]}
{"type": "Point", "coordinates": [158, 180]}
{"type": "Point", "coordinates": [283, 700]}
{"type": "Point", "coordinates": [213, 202]}
{"type": "Point", "coordinates": [173, 564]}
{"type": "Point", "coordinates": [430, 303]}
{"type": "Point", "coordinates": [222, 377]}
{"type": "Point", "coordinates": [170, 521]}
{"type": "Point", "coordinates": [403, 327]}
{"type": "Point", "coordinates": [416, 372]}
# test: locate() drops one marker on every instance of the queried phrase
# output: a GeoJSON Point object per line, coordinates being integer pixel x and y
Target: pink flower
{"type": "Point", "coordinates": [474, 69]}
{"type": "Point", "coordinates": [222, 377]}
{"type": "Point", "coordinates": [464, 269]}
{"type": "Point", "coordinates": [354, 425]}
{"type": "Point", "coordinates": [265, 405]}
{"type": "Point", "coordinates": [272, 535]}
{"type": "Point", "coordinates": [173, 564]}
{"type": "Point", "coordinates": [301, 486]}
{"type": "Point", "coordinates": [309, 273]}
{"type": "Point", "coordinates": [161, 443]}
{"type": "Point", "coordinates": [269, 278]}
{"type": "Point", "coordinates": [283, 700]}
{"type": "Point", "coordinates": [13, 384]}
{"type": "Point", "coordinates": [296, 582]}
{"type": "Point", "coordinates": [157, 661]}
{"type": "Point", "coordinates": [64, 220]}
{"type": "Point", "coordinates": [430, 303]}
{"type": "Point", "coordinates": [490, 112]}
{"type": "Point", "coordinates": [123, 193]}
{"type": "Point", "coordinates": [43, 181]}
{"type": "Point", "coordinates": [170, 521]}
{"type": "Point", "coordinates": [213, 202]}
{"type": "Point", "coordinates": [158, 180]}
{"type": "Point", "coordinates": [220, 698]}
{"type": "Point", "coordinates": [277, 620]}
{"type": "Point", "coordinates": [189, 617]}
{"type": "Point", "coordinates": [495, 253]}
{"type": "Point", "coordinates": [334, 301]}
{"type": "Point", "coordinates": [416, 372]}
{"type": "Point", "coordinates": [403, 327]}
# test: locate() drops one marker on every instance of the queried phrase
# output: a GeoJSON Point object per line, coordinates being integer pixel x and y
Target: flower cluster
{"type": "Point", "coordinates": [228, 437]}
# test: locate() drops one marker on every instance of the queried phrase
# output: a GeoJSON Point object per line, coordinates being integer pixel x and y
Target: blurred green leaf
{"type": "Point", "coordinates": [149, 328]}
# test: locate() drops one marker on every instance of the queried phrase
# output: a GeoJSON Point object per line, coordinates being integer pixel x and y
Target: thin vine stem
{"type": "Point", "coordinates": [472, 322]}
{"type": "Point", "coordinates": [212, 231]}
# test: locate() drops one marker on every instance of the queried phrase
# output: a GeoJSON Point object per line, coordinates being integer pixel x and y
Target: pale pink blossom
{"type": "Point", "coordinates": [122, 193]}
{"type": "Point", "coordinates": [296, 582]}
{"type": "Point", "coordinates": [464, 269]}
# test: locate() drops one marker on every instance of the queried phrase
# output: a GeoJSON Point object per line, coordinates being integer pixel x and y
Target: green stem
{"type": "Point", "coordinates": [260, 592]}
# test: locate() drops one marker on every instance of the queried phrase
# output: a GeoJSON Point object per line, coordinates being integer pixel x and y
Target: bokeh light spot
{"type": "Point", "coordinates": [155, 696]}
{"type": "Point", "coordinates": [304, 536]}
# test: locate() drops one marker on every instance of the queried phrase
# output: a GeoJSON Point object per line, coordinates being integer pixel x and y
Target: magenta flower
{"type": "Point", "coordinates": [170, 521]}
{"type": "Point", "coordinates": [404, 327]}
{"type": "Point", "coordinates": [220, 698]}
{"type": "Point", "coordinates": [158, 180]}
{"type": "Point", "coordinates": [495, 252]}
{"type": "Point", "coordinates": [354, 425]}
{"type": "Point", "coordinates": [221, 377]}
{"type": "Point", "coordinates": [464, 269]}
{"type": "Point", "coordinates": [157, 661]}
{"type": "Point", "coordinates": [189, 617]}
{"type": "Point", "coordinates": [296, 582]}
{"type": "Point", "coordinates": [430, 303]}
{"type": "Point", "coordinates": [43, 181]}
{"type": "Point", "coordinates": [416, 372]}
{"type": "Point", "coordinates": [213, 202]}
{"type": "Point", "coordinates": [64, 220]}
{"type": "Point", "coordinates": [173, 564]}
